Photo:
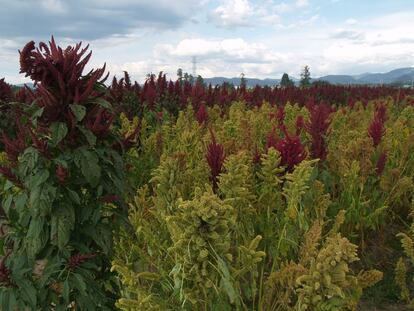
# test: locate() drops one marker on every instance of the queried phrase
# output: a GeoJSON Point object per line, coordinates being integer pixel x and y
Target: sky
{"type": "Point", "coordinates": [260, 38]}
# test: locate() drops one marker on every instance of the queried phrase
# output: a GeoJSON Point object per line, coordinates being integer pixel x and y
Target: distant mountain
{"type": "Point", "coordinates": [400, 76]}
{"type": "Point", "coordinates": [397, 76]}
{"type": "Point", "coordinates": [251, 82]}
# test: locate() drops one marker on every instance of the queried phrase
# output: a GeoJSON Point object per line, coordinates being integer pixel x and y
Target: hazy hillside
{"type": "Point", "coordinates": [396, 76]}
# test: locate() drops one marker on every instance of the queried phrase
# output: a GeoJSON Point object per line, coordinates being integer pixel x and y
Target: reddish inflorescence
{"type": "Point", "coordinates": [5, 275]}
{"type": "Point", "coordinates": [6, 93]}
{"type": "Point", "coordinates": [215, 159]}
{"type": "Point", "coordinates": [59, 77]}
{"type": "Point", "coordinates": [78, 259]}
{"type": "Point", "coordinates": [61, 174]}
{"type": "Point", "coordinates": [376, 129]}
{"type": "Point", "coordinates": [291, 150]}
{"type": "Point", "coordinates": [9, 175]}
{"type": "Point", "coordinates": [317, 128]}
{"type": "Point", "coordinates": [382, 160]}
{"type": "Point", "coordinates": [201, 114]}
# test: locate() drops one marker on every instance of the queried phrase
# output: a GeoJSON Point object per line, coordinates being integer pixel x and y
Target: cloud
{"type": "Point", "coordinates": [232, 13]}
{"type": "Point", "coordinates": [235, 50]}
{"type": "Point", "coordinates": [243, 13]}
{"type": "Point", "coordinates": [351, 21]}
{"type": "Point", "coordinates": [349, 34]}
{"type": "Point", "coordinates": [92, 19]}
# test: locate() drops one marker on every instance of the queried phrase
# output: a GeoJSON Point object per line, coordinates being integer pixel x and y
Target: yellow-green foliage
{"type": "Point", "coordinates": [328, 283]}
{"type": "Point", "coordinates": [295, 187]}
{"type": "Point", "coordinates": [265, 238]}
{"type": "Point", "coordinates": [404, 266]}
{"type": "Point", "coordinates": [200, 233]}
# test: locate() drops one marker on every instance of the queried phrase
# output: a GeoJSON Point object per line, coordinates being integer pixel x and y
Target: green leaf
{"type": "Point", "coordinates": [61, 225]}
{"type": "Point", "coordinates": [74, 197]}
{"type": "Point", "coordinates": [90, 168]}
{"type": "Point", "coordinates": [28, 293]}
{"type": "Point", "coordinates": [104, 103]}
{"type": "Point", "coordinates": [7, 203]}
{"type": "Point", "coordinates": [20, 200]}
{"type": "Point", "coordinates": [39, 178]}
{"type": "Point", "coordinates": [79, 111]}
{"type": "Point", "coordinates": [59, 131]}
{"type": "Point", "coordinates": [8, 185]}
{"type": "Point", "coordinates": [41, 199]}
{"type": "Point", "coordinates": [226, 280]}
{"type": "Point", "coordinates": [79, 283]}
{"type": "Point", "coordinates": [5, 299]}
{"type": "Point", "coordinates": [90, 137]}
{"type": "Point", "coordinates": [34, 240]}
{"type": "Point", "coordinates": [66, 291]}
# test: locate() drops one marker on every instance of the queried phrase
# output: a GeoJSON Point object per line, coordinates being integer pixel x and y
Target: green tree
{"type": "Point", "coordinates": [200, 80]}
{"type": "Point", "coordinates": [305, 79]}
{"type": "Point", "coordinates": [180, 74]}
{"type": "Point", "coordinates": [286, 81]}
{"type": "Point", "coordinates": [243, 80]}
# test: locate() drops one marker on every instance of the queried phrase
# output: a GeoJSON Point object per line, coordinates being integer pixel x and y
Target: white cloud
{"type": "Point", "coordinates": [351, 21]}
{"type": "Point", "coordinates": [233, 13]}
{"type": "Point", "coordinates": [301, 3]}
{"type": "Point", "coordinates": [239, 13]}
{"type": "Point", "coordinates": [232, 50]}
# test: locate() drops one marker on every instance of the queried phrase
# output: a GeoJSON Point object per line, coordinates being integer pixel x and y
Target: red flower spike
{"type": "Point", "coordinates": [272, 139]}
{"type": "Point", "coordinates": [99, 121]}
{"type": "Point", "coordinates": [5, 279]}
{"type": "Point", "coordinates": [215, 159]}
{"type": "Point", "coordinates": [109, 198]}
{"type": "Point", "coordinates": [78, 259]}
{"type": "Point", "coordinates": [6, 93]}
{"type": "Point", "coordinates": [59, 77]}
{"type": "Point", "coordinates": [300, 124]}
{"type": "Point", "coordinates": [291, 151]}
{"type": "Point", "coordinates": [61, 174]}
{"type": "Point", "coordinates": [13, 148]}
{"type": "Point", "coordinates": [9, 175]}
{"type": "Point", "coordinates": [376, 128]}
{"type": "Point", "coordinates": [382, 160]}
{"type": "Point", "coordinates": [257, 156]}
{"type": "Point", "coordinates": [280, 115]}
{"type": "Point", "coordinates": [39, 144]}
{"type": "Point", "coordinates": [202, 115]}
{"type": "Point", "coordinates": [317, 127]}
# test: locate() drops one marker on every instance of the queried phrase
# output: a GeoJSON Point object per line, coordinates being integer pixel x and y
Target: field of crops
{"type": "Point", "coordinates": [178, 196]}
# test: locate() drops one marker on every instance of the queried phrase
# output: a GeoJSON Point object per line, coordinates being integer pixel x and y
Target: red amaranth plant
{"type": "Point", "coordinates": [61, 174]}
{"type": "Point", "coordinates": [14, 147]}
{"type": "Point", "coordinates": [380, 166]}
{"type": "Point", "coordinates": [291, 150]}
{"type": "Point", "coordinates": [257, 156]}
{"type": "Point", "coordinates": [376, 129]}
{"type": "Point", "coordinates": [317, 127]}
{"type": "Point", "coordinates": [5, 276]}
{"type": "Point", "coordinates": [9, 175]}
{"type": "Point", "coordinates": [299, 124]}
{"type": "Point", "coordinates": [58, 75]}
{"type": "Point", "coordinates": [272, 139]}
{"type": "Point", "coordinates": [6, 92]}
{"type": "Point", "coordinates": [215, 159]}
{"type": "Point", "coordinates": [78, 259]}
{"type": "Point", "coordinates": [201, 114]}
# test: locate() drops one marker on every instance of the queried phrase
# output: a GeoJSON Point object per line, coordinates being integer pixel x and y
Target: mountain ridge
{"type": "Point", "coordinates": [399, 76]}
